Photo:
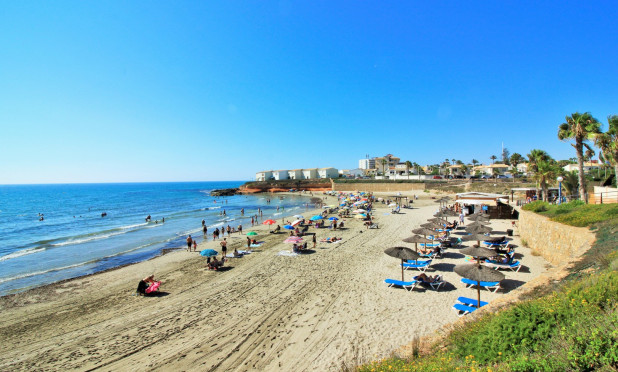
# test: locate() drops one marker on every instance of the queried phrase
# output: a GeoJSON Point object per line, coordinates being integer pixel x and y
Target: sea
{"type": "Point", "coordinates": [54, 232]}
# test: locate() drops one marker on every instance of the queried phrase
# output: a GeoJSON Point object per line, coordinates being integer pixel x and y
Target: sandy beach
{"type": "Point", "coordinates": [266, 311]}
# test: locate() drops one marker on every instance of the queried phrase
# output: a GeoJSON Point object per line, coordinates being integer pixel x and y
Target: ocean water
{"type": "Point", "coordinates": [73, 239]}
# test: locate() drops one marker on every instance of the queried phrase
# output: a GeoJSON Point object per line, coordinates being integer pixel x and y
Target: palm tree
{"type": "Point", "coordinates": [535, 157]}
{"type": "Point", "coordinates": [579, 127]}
{"type": "Point", "coordinates": [408, 166]}
{"type": "Point", "coordinates": [546, 173]}
{"type": "Point", "coordinates": [608, 142]}
{"type": "Point", "coordinates": [570, 182]}
{"type": "Point", "coordinates": [493, 158]}
{"type": "Point", "coordinates": [384, 167]}
{"type": "Point", "coordinates": [515, 159]}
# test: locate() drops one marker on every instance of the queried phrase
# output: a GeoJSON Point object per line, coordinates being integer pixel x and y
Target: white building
{"type": "Point", "coordinates": [588, 166]}
{"type": "Point", "coordinates": [328, 173]}
{"type": "Point", "coordinates": [280, 175]}
{"type": "Point", "coordinates": [264, 176]}
{"type": "Point", "coordinates": [295, 174]}
{"type": "Point", "coordinates": [367, 164]}
{"type": "Point", "coordinates": [311, 173]}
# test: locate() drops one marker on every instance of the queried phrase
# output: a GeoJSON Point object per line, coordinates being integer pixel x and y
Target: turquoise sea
{"type": "Point", "coordinates": [73, 239]}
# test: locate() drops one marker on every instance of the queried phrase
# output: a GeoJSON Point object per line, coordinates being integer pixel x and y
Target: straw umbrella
{"type": "Point", "coordinates": [404, 253]}
{"type": "Point", "coordinates": [478, 223]}
{"type": "Point", "coordinates": [424, 231]}
{"type": "Point", "coordinates": [472, 237]}
{"type": "Point", "coordinates": [479, 274]}
{"type": "Point", "coordinates": [433, 225]}
{"type": "Point", "coordinates": [417, 239]}
{"type": "Point", "coordinates": [477, 252]}
{"type": "Point", "coordinates": [477, 217]}
{"type": "Point", "coordinates": [478, 229]}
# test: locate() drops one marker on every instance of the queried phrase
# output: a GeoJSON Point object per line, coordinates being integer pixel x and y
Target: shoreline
{"type": "Point", "coordinates": [330, 305]}
{"type": "Point", "coordinates": [155, 254]}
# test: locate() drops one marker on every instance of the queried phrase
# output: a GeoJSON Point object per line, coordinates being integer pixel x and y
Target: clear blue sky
{"type": "Point", "coordinates": [216, 90]}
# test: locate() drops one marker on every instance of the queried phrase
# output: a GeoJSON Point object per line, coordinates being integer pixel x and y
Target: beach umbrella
{"type": "Point", "coordinates": [252, 233]}
{"type": "Point", "coordinates": [477, 217]}
{"type": "Point", "coordinates": [472, 237]}
{"type": "Point", "coordinates": [269, 222]}
{"type": "Point", "coordinates": [438, 220]}
{"type": "Point", "coordinates": [333, 219]}
{"type": "Point", "coordinates": [289, 227]}
{"type": "Point", "coordinates": [296, 222]}
{"type": "Point", "coordinates": [478, 223]}
{"type": "Point", "coordinates": [402, 253]}
{"type": "Point", "coordinates": [417, 239]}
{"type": "Point", "coordinates": [209, 253]}
{"type": "Point", "coordinates": [478, 229]}
{"type": "Point", "coordinates": [316, 217]}
{"type": "Point", "coordinates": [477, 252]}
{"type": "Point", "coordinates": [423, 231]}
{"type": "Point", "coordinates": [479, 274]}
{"type": "Point", "coordinates": [359, 210]}
{"type": "Point", "coordinates": [293, 239]}
{"type": "Point", "coordinates": [433, 225]}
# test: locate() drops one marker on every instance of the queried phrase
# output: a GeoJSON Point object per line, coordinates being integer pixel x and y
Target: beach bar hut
{"type": "Point", "coordinates": [497, 204]}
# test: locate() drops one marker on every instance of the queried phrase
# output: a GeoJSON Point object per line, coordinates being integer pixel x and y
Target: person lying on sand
{"type": "Point", "coordinates": [429, 250]}
{"type": "Point", "coordinates": [427, 278]}
{"type": "Point", "coordinates": [216, 264]}
{"type": "Point", "coordinates": [330, 240]}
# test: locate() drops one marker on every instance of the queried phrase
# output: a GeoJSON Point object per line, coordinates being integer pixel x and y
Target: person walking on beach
{"type": "Point", "coordinates": [248, 243]}
{"type": "Point", "coordinates": [205, 230]}
{"type": "Point", "coordinates": [461, 218]}
{"type": "Point", "coordinates": [252, 221]}
{"type": "Point", "coordinates": [189, 242]}
{"type": "Point", "coordinates": [224, 247]}
{"type": "Point", "coordinates": [314, 240]}
{"type": "Point", "coordinates": [194, 245]}
{"type": "Point", "coordinates": [240, 229]}
{"type": "Point", "coordinates": [229, 230]}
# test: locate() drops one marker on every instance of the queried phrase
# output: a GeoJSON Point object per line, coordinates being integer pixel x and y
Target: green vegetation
{"type": "Point", "coordinates": [575, 213]}
{"type": "Point", "coordinates": [572, 328]}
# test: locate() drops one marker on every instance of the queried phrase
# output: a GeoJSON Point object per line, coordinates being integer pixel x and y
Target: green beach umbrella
{"type": "Point", "coordinates": [252, 233]}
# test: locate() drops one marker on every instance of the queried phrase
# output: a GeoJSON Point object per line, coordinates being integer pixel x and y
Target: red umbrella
{"type": "Point", "coordinates": [269, 222]}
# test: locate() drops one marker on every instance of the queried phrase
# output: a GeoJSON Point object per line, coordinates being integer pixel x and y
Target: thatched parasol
{"type": "Point", "coordinates": [479, 274]}
{"type": "Point", "coordinates": [472, 237]}
{"type": "Point", "coordinates": [477, 252]}
{"type": "Point", "coordinates": [423, 231]}
{"type": "Point", "coordinates": [404, 253]}
{"type": "Point", "coordinates": [417, 239]}
{"type": "Point", "coordinates": [479, 223]}
{"type": "Point", "coordinates": [478, 229]}
{"type": "Point", "coordinates": [433, 225]}
{"type": "Point", "coordinates": [477, 217]}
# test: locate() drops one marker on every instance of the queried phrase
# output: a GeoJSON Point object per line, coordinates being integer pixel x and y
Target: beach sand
{"type": "Point", "coordinates": [265, 311]}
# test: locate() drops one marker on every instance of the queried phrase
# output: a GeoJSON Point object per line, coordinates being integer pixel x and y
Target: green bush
{"type": "Point", "coordinates": [537, 206]}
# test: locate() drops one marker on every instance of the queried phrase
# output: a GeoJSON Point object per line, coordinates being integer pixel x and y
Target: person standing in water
{"type": "Point", "coordinates": [189, 243]}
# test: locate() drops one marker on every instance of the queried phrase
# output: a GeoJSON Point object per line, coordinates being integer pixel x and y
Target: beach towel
{"type": "Point", "coordinates": [153, 287]}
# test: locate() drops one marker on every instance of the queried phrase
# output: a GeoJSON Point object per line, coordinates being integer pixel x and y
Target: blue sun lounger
{"type": "Point", "coordinates": [418, 265]}
{"type": "Point", "coordinates": [471, 302]}
{"type": "Point", "coordinates": [407, 285]}
{"type": "Point", "coordinates": [515, 265]}
{"type": "Point", "coordinates": [492, 286]}
{"type": "Point", "coordinates": [463, 308]}
{"type": "Point", "coordinates": [433, 285]}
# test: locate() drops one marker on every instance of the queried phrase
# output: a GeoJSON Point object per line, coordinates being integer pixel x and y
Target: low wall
{"type": "Point", "coordinates": [557, 243]}
{"type": "Point", "coordinates": [378, 187]}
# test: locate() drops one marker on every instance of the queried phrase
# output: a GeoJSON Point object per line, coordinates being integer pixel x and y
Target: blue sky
{"type": "Point", "coordinates": [181, 91]}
